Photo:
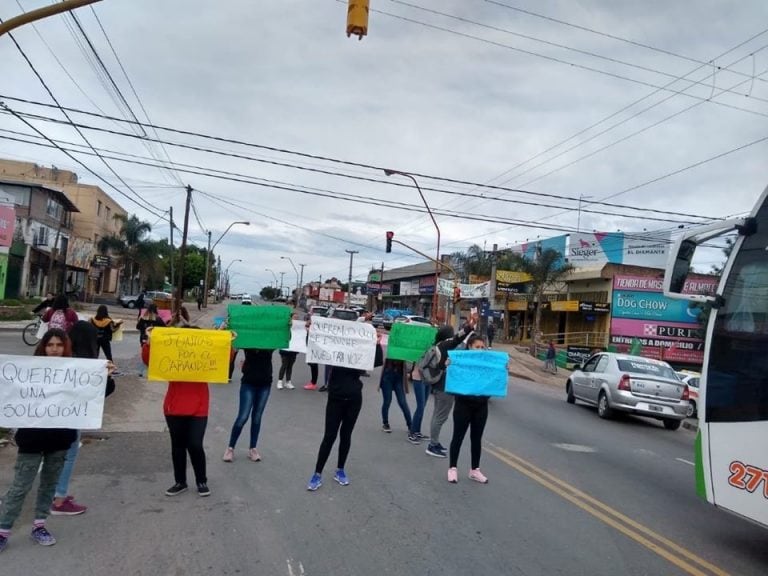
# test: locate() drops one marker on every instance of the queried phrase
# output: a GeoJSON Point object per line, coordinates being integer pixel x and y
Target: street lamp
{"type": "Point", "coordinates": [226, 275]}
{"type": "Point", "coordinates": [273, 275]}
{"type": "Point", "coordinates": [208, 257]}
{"type": "Point", "coordinates": [297, 277]}
{"type": "Point", "coordinates": [437, 258]}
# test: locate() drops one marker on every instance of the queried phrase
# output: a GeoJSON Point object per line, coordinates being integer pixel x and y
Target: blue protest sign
{"type": "Point", "coordinates": [477, 373]}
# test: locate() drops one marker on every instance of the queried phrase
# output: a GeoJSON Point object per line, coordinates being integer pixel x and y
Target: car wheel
{"type": "Point", "coordinates": [131, 304]}
{"type": "Point", "coordinates": [570, 398]}
{"type": "Point", "coordinates": [672, 424]}
{"type": "Point", "coordinates": [603, 407]}
{"type": "Point", "coordinates": [694, 411]}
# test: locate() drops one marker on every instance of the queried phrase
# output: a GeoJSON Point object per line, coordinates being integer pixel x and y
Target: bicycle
{"type": "Point", "coordinates": [29, 332]}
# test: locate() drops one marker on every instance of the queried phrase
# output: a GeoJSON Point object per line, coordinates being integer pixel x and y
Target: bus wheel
{"type": "Point", "coordinates": [672, 424]}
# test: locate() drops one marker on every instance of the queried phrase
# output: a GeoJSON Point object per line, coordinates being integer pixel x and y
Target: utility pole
{"type": "Point", "coordinates": [177, 302]}
{"type": "Point", "coordinates": [171, 213]}
{"type": "Point", "coordinates": [301, 285]}
{"type": "Point", "coordinates": [221, 278]}
{"type": "Point", "coordinates": [492, 294]}
{"type": "Point", "coordinates": [281, 283]}
{"type": "Point", "coordinates": [349, 283]}
{"type": "Point", "coordinates": [381, 289]}
{"type": "Point", "coordinates": [207, 267]}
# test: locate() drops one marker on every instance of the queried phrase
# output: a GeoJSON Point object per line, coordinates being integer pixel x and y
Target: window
{"type": "Point", "coordinates": [602, 364]}
{"type": "Point", "coordinates": [109, 213]}
{"type": "Point", "coordinates": [650, 368]}
{"type": "Point", "coordinates": [98, 207]}
{"type": "Point", "coordinates": [53, 208]}
{"type": "Point", "coordinates": [592, 363]}
{"type": "Point", "coordinates": [41, 237]}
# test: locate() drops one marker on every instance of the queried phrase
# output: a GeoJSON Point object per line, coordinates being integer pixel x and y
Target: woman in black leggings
{"type": "Point", "coordinates": [345, 398]}
{"type": "Point", "coordinates": [469, 412]}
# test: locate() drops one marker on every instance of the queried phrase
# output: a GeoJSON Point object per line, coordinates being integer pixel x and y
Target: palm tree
{"type": "Point", "coordinates": [545, 269]}
{"type": "Point", "coordinates": [130, 245]}
{"type": "Point", "coordinates": [475, 261]}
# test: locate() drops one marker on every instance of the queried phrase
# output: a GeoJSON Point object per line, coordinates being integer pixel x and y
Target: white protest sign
{"type": "Point", "coordinates": [298, 341]}
{"type": "Point", "coordinates": [342, 343]}
{"type": "Point", "coordinates": [48, 392]}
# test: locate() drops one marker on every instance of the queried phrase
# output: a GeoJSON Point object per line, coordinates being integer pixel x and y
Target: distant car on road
{"type": "Point", "coordinates": [246, 299]}
{"type": "Point", "coordinates": [691, 379]}
{"type": "Point", "coordinates": [382, 321]}
{"type": "Point", "coordinates": [343, 314]}
{"type": "Point", "coordinates": [624, 383]}
{"type": "Point", "coordinates": [319, 310]}
{"type": "Point", "coordinates": [150, 296]}
{"type": "Point", "coordinates": [415, 320]}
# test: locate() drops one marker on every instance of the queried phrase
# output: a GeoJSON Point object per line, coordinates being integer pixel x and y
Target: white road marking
{"type": "Point", "coordinates": [685, 461]}
{"type": "Point", "coordinates": [575, 448]}
{"type": "Point", "coordinates": [290, 568]}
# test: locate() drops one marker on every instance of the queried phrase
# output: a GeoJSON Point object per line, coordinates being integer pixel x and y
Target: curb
{"type": "Point", "coordinates": [691, 425]}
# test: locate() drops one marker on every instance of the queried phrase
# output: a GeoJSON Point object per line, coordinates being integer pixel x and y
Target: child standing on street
{"type": "Point", "coordinates": [40, 449]}
{"type": "Point", "coordinates": [186, 414]}
{"type": "Point", "coordinates": [106, 327]}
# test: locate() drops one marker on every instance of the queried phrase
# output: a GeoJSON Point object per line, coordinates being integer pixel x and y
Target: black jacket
{"type": "Point", "coordinates": [346, 382]}
{"type": "Point", "coordinates": [450, 344]}
{"type": "Point", "coordinates": [44, 440]}
{"type": "Point", "coordinates": [257, 368]}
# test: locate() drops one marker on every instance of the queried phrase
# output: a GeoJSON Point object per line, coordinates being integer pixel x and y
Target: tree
{"type": "Point", "coordinates": [546, 269]}
{"type": "Point", "coordinates": [727, 249]}
{"type": "Point", "coordinates": [130, 245]}
{"type": "Point", "coordinates": [475, 261]}
{"type": "Point", "coordinates": [269, 293]}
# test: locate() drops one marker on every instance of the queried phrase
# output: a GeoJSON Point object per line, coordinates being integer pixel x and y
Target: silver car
{"type": "Point", "coordinates": [625, 383]}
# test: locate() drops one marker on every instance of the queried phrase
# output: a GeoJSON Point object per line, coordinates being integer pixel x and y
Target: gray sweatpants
{"type": "Point", "coordinates": [26, 469]}
{"type": "Point", "coordinates": [440, 412]}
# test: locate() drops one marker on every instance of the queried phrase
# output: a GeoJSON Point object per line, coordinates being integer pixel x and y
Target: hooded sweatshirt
{"type": "Point", "coordinates": [105, 326]}
{"type": "Point", "coordinates": [449, 342]}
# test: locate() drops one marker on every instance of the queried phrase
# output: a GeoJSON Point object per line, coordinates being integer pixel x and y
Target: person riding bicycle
{"type": "Point", "coordinates": [44, 305]}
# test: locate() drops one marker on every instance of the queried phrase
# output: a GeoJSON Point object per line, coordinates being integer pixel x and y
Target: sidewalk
{"type": "Point", "coordinates": [523, 365]}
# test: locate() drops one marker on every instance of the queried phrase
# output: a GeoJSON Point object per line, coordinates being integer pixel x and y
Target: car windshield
{"type": "Point", "coordinates": [638, 366]}
{"type": "Point", "coordinates": [345, 314]}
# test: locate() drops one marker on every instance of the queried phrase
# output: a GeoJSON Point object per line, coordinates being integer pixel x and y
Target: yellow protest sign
{"type": "Point", "coordinates": [189, 355]}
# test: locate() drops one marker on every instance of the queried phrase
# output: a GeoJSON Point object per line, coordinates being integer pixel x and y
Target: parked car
{"type": "Point", "coordinates": [621, 382]}
{"type": "Point", "coordinates": [415, 320]}
{"type": "Point", "coordinates": [246, 299]}
{"type": "Point", "coordinates": [343, 314]}
{"type": "Point", "coordinates": [319, 310]}
{"type": "Point", "coordinates": [691, 379]}
{"type": "Point", "coordinates": [150, 296]}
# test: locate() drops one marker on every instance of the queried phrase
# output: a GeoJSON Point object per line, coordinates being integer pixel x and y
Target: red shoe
{"type": "Point", "coordinates": [310, 386]}
{"type": "Point", "coordinates": [68, 508]}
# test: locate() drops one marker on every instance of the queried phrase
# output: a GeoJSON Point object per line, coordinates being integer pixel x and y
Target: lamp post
{"type": "Point", "coordinates": [297, 276]}
{"type": "Point", "coordinates": [226, 273]}
{"type": "Point", "coordinates": [281, 283]}
{"type": "Point", "coordinates": [437, 257]}
{"type": "Point", "coordinates": [273, 275]}
{"type": "Point", "coordinates": [208, 257]}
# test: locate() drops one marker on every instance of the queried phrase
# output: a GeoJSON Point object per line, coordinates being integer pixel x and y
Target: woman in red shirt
{"type": "Point", "coordinates": [186, 413]}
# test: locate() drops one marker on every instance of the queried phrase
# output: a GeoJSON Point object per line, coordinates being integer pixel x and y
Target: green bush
{"type": "Point", "coordinates": [10, 302]}
{"type": "Point", "coordinates": [14, 314]}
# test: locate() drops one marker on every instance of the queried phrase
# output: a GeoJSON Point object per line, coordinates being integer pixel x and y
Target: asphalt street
{"type": "Point", "coordinates": [568, 494]}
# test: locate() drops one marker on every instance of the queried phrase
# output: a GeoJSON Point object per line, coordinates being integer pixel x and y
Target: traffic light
{"type": "Point", "coordinates": [357, 18]}
{"type": "Point", "coordinates": [390, 235]}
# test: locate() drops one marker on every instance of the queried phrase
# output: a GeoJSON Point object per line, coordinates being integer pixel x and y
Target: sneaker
{"type": "Point", "coordinates": [422, 436]}
{"type": "Point", "coordinates": [176, 489]}
{"type": "Point", "coordinates": [435, 450]}
{"type": "Point", "coordinates": [3, 542]}
{"type": "Point", "coordinates": [323, 388]}
{"type": "Point", "coordinates": [341, 477]}
{"type": "Point", "coordinates": [279, 384]}
{"type": "Point", "coordinates": [442, 448]}
{"type": "Point", "coordinates": [386, 428]}
{"type": "Point", "coordinates": [117, 373]}
{"type": "Point", "coordinates": [229, 455]}
{"type": "Point", "coordinates": [41, 536]}
{"type": "Point", "coordinates": [202, 489]}
{"type": "Point", "coordinates": [310, 386]}
{"type": "Point", "coordinates": [453, 475]}
{"type": "Point", "coordinates": [289, 386]}
{"type": "Point", "coordinates": [414, 439]}
{"type": "Point", "coordinates": [253, 455]}
{"type": "Point", "coordinates": [68, 508]}
{"type": "Point", "coordinates": [477, 476]}
{"type": "Point", "coordinates": [315, 482]}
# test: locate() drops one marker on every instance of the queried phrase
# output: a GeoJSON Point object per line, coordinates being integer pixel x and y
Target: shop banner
{"type": "Point", "coordinates": [529, 250]}
{"type": "Point", "coordinates": [468, 291]}
{"type": "Point", "coordinates": [595, 249]}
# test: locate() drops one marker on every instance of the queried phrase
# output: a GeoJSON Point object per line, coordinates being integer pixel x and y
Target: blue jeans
{"type": "Point", "coordinates": [62, 487]}
{"type": "Point", "coordinates": [387, 386]}
{"type": "Point", "coordinates": [421, 391]}
{"type": "Point", "coordinates": [253, 400]}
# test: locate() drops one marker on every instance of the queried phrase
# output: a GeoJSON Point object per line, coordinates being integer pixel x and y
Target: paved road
{"type": "Point", "coordinates": [568, 494]}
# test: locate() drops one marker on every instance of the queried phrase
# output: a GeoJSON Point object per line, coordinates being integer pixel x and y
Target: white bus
{"type": "Point", "coordinates": [732, 440]}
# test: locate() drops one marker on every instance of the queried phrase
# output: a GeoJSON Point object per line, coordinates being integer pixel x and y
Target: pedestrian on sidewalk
{"type": "Point", "coordinates": [141, 302]}
{"type": "Point", "coordinates": [469, 412]}
{"type": "Point", "coordinates": [255, 387]}
{"type": "Point", "coordinates": [345, 398]}
{"type": "Point", "coordinates": [105, 327]}
{"type": "Point", "coordinates": [185, 407]}
{"type": "Point", "coordinates": [199, 300]}
{"type": "Point", "coordinates": [84, 339]}
{"type": "Point", "coordinates": [490, 332]}
{"type": "Point", "coordinates": [421, 392]}
{"type": "Point", "coordinates": [550, 364]}
{"type": "Point", "coordinates": [445, 340]}
{"type": "Point", "coordinates": [40, 450]}
{"type": "Point", "coordinates": [393, 380]}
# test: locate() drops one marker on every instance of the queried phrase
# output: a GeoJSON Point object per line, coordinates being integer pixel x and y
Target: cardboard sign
{"type": "Point", "coordinates": [189, 355]}
{"type": "Point", "coordinates": [298, 337]}
{"type": "Point", "coordinates": [477, 373]}
{"type": "Point", "coordinates": [344, 343]}
{"type": "Point", "coordinates": [47, 392]}
{"type": "Point", "coordinates": [407, 342]}
{"type": "Point", "coordinates": [264, 327]}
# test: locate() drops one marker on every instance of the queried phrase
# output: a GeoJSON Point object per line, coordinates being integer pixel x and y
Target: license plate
{"type": "Point", "coordinates": [654, 408]}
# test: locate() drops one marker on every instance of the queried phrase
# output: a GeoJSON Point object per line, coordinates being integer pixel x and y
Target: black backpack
{"type": "Point", "coordinates": [429, 365]}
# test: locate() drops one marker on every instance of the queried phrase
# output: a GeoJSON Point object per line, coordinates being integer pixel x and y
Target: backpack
{"type": "Point", "coordinates": [58, 320]}
{"type": "Point", "coordinates": [429, 366]}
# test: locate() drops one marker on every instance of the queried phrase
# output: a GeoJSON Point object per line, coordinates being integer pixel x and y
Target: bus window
{"type": "Point", "coordinates": [737, 378]}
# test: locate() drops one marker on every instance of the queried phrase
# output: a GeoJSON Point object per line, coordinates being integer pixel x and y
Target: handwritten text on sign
{"type": "Point", "coordinates": [46, 392]}
{"type": "Point", "coordinates": [189, 355]}
{"type": "Point", "coordinates": [477, 373]}
{"type": "Point", "coordinates": [341, 343]}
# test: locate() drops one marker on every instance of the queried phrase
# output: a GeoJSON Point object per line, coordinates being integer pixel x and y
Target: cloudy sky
{"type": "Point", "coordinates": [658, 109]}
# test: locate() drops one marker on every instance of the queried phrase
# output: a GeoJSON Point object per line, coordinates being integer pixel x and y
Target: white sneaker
{"type": "Point", "coordinates": [279, 384]}
{"type": "Point", "coordinates": [289, 386]}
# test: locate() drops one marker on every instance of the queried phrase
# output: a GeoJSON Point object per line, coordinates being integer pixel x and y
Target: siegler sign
{"type": "Point", "coordinates": [595, 249]}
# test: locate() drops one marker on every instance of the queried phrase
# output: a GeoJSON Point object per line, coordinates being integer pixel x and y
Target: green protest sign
{"type": "Point", "coordinates": [266, 327]}
{"type": "Point", "coordinates": [407, 342]}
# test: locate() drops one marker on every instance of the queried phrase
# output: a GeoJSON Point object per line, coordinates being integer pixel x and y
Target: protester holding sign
{"type": "Point", "coordinates": [185, 408]}
{"type": "Point", "coordinates": [106, 326]}
{"type": "Point", "coordinates": [254, 393]}
{"type": "Point", "coordinates": [469, 412]}
{"type": "Point", "coordinates": [345, 398]}
{"type": "Point", "coordinates": [46, 446]}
